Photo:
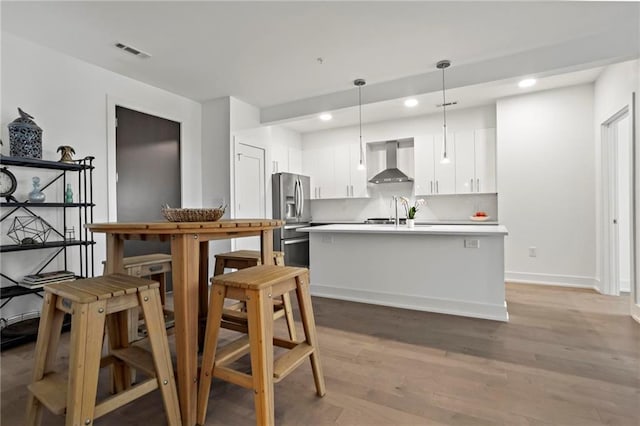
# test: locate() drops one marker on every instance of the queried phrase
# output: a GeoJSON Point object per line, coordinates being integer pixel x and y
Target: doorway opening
{"type": "Point", "coordinates": [249, 199]}
{"type": "Point", "coordinates": [147, 172]}
{"type": "Point", "coordinates": [618, 187]}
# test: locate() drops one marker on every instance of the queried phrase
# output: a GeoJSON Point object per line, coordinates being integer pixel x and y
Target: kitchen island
{"type": "Point", "coordinates": [451, 269]}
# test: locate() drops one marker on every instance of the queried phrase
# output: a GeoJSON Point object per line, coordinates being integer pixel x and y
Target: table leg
{"type": "Point", "coordinates": [266, 243]}
{"type": "Point", "coordinates": [185, 252]}
{"type": "Point", "coordinates": [203, 292]}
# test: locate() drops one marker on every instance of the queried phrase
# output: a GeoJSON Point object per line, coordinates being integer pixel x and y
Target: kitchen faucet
{"type": "Point", "coordinates": [396, 221]}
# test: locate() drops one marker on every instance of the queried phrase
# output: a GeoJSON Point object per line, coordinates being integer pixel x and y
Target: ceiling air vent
{"type": "Point", "coordinates": [129, 49]}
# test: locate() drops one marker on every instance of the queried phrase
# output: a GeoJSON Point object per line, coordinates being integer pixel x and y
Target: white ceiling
{"type": "Point", "coordinates": [265, 53]}
{"type": "Point", "coordinates": [466, 97]}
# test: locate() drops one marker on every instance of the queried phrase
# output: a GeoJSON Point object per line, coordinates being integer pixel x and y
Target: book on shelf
{"type": "Point", "coordinates": [41, 284]}
{"type": "Point", "coordinates": [48, 277]}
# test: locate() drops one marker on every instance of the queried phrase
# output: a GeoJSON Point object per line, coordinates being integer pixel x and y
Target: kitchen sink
{"type": "Point", "coordinates": [382, 221]}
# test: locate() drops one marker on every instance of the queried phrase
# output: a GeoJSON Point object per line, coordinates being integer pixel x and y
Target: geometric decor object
{"type": "Point", "coordinates": [27, 230]}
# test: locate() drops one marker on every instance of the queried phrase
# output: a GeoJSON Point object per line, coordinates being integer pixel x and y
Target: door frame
{"type": "Point", "coordinates": [237, 140]}
{"type": "Point", "coordinates": [635, 191]}
{"type": "Point", "coordinates": [112, 103]}
{"type": "Point", "coordinates": [610, 255]}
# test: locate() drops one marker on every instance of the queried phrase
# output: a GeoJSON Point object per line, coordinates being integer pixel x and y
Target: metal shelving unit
{"type": "Point", "coordinates": [81, 172]}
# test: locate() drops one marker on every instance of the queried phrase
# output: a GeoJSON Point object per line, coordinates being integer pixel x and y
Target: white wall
{"type": "Point", "coordinates": [221, 118]}
{"type": "Point", "coordinates": [454, 207]}
{"type": "Point", "coordinates": [613, 91]}
{"type": "Point", "coordinates": [69, 100]}
{"type": "Point", "coordinates": [546, 181]}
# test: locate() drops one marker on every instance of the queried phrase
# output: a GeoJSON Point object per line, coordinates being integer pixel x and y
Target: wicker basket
{"type": "Point", "coordinates": [193, 215]}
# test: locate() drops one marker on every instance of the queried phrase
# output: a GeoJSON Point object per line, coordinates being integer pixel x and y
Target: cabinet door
{"type": "Point", "coordinates": [445, 174]}
{"type": "Point", "coordinates": [423, 152]}
{"type": "Point", "coordinates": [279, 158]}
{"type": "Point", "coordinates": [465, 162]}
{"type": "Point", "coordinates": [358, 177]}
{"type": "Point", "coordinates": [318, 164]}
{"type": "Point", "coordinates": [485, 146]}
{"type": "Point", "coordinates": [342, 172]}
{"type": "Point", "coordinates": [295, 160]}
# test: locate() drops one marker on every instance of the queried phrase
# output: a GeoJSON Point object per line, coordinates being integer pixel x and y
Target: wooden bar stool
{"type": "Point", "coordinates": [154, 266]}
{"type": "Point", "coordinates": [92, 303]}
{"type": "Point", "coordinates": [233, 315]}
{"type": "Point", "coordinates": [257, 286]}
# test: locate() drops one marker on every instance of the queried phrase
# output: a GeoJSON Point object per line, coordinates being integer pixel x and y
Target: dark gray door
{"type": "Point", "coordinates": [148, 170]}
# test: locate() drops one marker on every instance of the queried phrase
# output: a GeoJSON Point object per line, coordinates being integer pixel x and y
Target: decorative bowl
{"type": "Point", "coordinates": [193, 215]}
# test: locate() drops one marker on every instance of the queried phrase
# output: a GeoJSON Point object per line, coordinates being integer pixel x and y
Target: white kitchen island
{"type": "Point", "coordinates": [451, 269]}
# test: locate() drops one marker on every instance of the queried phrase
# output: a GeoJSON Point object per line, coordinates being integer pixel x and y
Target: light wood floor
{"type": "Point", "coordinates": [567, 357]}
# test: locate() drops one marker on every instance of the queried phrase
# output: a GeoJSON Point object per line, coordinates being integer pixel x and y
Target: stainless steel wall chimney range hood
{"type": "Point", "coordinates": [392, 174]}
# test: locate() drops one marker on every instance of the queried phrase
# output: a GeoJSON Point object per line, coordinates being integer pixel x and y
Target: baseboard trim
{"type": "Point", "coordinates": [553, 280]}
{"type": "Point", "coordinates": [418, 303]}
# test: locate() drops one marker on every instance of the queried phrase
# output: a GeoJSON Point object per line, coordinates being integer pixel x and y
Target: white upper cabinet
{"type": "Point", "coordinates": [334, 171]}
{"type": "Point", "coordinates": [431, 176]}
{"type": "Point", "coordinates": [485, 145]}
{"type": "Point", "coordinates": [445, 173]}
{"type": "Point", "coordinates": [472, 168]}
{"type": "Point", "coordinates": [358, 177]}
{"type": "Point", "coordinates": [476, 161]}
{"type": "Point", "coordinates": [295, 160]}
{"type": "Point", "coordinates": [342, 164]}
{"type": "Point", "coordinates": [279, 158]}
{"type": "Point", "coordinates": [465, 162]}
{"type": "Point", "coordinates": [424, 179]}
{"type": "Point", "coordinates": [317, 162]}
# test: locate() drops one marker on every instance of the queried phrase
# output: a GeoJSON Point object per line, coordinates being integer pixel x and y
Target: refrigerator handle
{"type": "Point", "coordinates": [301, 198]}
{"type": "Point", "coordinates": [297, 197]}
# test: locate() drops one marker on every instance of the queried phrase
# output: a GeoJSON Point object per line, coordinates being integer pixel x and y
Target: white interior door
{"type": "Point", "coordinates": [249, 190]}
{"type": "Point", "coordinates": [617, 151]}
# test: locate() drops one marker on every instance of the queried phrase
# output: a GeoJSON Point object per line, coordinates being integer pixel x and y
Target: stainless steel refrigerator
{"type": "Point", "coordinates": [291, 204]}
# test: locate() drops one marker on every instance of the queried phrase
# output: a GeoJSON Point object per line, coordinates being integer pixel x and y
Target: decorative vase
{"type": "Point", "coordinates": [68, 194]}
{"type": "Point", "coordinates": [411, 223]}
{"type": "Point", "coordinates": [25, 137]}
{"type": "Point", "coordinates": [36, 196]}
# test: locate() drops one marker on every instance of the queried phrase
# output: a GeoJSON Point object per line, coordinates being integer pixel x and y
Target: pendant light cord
{"type": "Point", "coordinates": [444, 102]}
{"type": "Point", "coordinates": [360, 119]}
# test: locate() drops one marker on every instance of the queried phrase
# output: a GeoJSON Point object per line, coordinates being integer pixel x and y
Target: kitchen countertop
{"type": "Point", "coordinates": [417, 230]}
{"type": "Point", "coordinates": [418, 222]}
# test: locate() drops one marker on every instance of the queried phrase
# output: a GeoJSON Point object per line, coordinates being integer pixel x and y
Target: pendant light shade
{"type": "Point", "coordinates": [359, 83]}
{"type": "Point", "coordinates": [442, 65]}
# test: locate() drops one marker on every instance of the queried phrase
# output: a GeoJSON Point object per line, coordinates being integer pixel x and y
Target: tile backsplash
{"type": "Point", "coordinates": [380, 204]}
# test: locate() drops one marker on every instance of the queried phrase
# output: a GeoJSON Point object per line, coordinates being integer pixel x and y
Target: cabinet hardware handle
{"type": "Point", "coordinates": [471, 184]}
{"type": "Point", "coordinates": [347, 190]}
{"type": "Point", "coordinates": [319, 192]}
{"type": "Point", "coordinates": [478, 185]}
{"type": "Point", "coordinates": [431, 184]}
{"type": "Point", "coordinates": [437, 188]}
{"type": "Point", "coordinates": [352, 190]}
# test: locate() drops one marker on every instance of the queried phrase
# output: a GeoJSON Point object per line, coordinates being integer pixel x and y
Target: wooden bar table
{"type": "Point", "coordinates": [190, 253]}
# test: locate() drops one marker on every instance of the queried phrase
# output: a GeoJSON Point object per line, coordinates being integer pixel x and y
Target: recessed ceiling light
{"type": "Point", "coordinates": [410, 103]}
{"type": "Point", "coordinates": [527, 82]}
{"type": "Point", "coordinates": [326, 116]}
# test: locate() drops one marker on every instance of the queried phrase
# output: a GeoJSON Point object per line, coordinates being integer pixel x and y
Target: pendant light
{"type": "Point", "coordinates": [442, 65]}
{"type": "Point", "coordinates": [359, 83]}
